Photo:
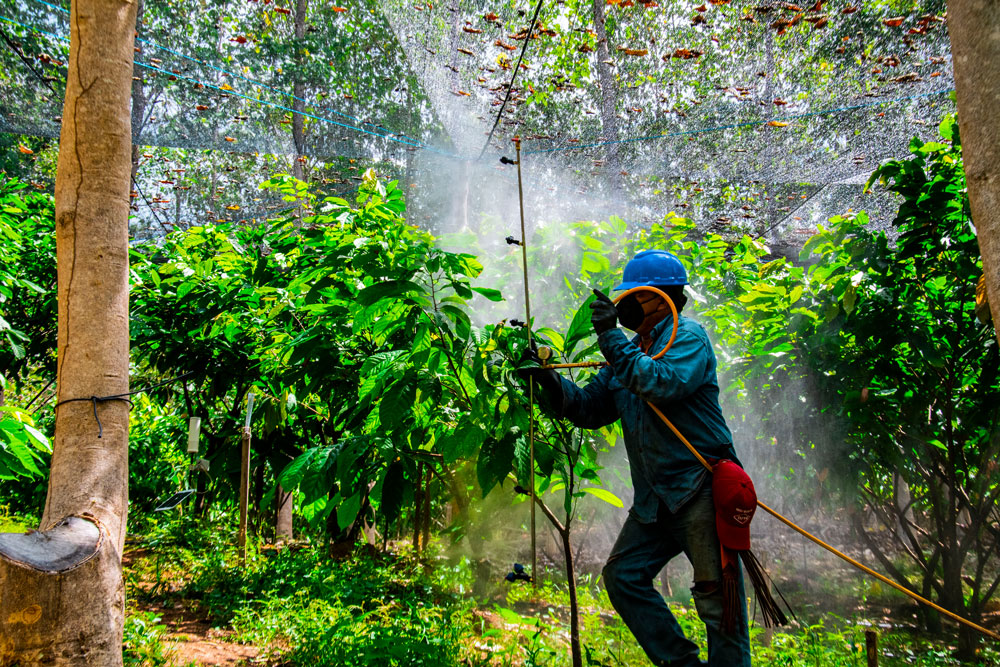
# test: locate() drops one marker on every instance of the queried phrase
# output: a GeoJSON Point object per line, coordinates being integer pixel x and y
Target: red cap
{"type": "Point", "coordinates": [735, 504]}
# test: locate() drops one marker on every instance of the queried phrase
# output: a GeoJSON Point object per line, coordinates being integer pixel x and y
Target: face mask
{"type": "Point", "coordinates": [630, 312]}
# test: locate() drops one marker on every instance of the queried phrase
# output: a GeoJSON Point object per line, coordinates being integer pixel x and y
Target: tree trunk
{"type": "Point", "coordinates": [417, 507]}
{"type": "Point", "coordinates": [609, 100]}
{"type": "Point", "coordinates": [974, 28]}
{"type": "Point", "coordinates": [574, 610]}
{"type": "Point", "coordinates": [138, 97]}
{"type": "Point", "coordinates": [62, 598]}
{"type": "Point", "coordinates": [299, 92]}
{"type": "Point", "coordinates": [427, 508]}
{"type": "Point", "coordinates": [283, 519]}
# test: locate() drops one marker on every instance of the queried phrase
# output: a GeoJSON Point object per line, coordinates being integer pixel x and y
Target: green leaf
{"type": "Point", "coordinates": [495, 460]}
{"type": "Point", "coordinates": [23, 454]}
{"type": "Point", "coordinates": [294, 472]}
{"type": "Point", "coordinates": [618, 226]}
{"type": "Point", "coordinates": [15, 347]}
{"type": "Point", "coordinates": [850, 299]}
{"type": "Point", "coordinates": [40, 440]}
{"type": "Point", "coordinates": [397, 401]}
{"type": "Point", "coordinates": [390, 289]}
{"type": "Point", "coordinates": [579, 328]}
{"type": "Point", "coordinates": [348, 510]}
{"type": "Point", "coordinates": [934, 442]}
{"type": "Point", "coordinates": [462, 442]}
{"type": "Point", "coordinates": [595, 263]}
{"type": "Point", "coordinates": [491, 294]}
{"type": "Point", "coordinates": [184, 289]}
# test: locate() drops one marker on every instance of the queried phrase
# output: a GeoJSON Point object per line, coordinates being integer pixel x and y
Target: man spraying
{"type": "Point", "coordinates": [673, 510]}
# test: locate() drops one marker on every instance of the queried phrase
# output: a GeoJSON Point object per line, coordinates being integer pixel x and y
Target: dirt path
{"type": "Point", "coordinates": [191, 639]}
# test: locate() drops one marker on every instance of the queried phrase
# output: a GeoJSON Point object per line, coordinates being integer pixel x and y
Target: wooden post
{"type": "Point", "coordinates": [244, 493]}
{"type": "Point", "coordinates": [427, 508]}
{"type": "Point", "coordinates": [245, 481]}
{"type": "Point", "coordinates": [871, 647]}
{"type": "Point", "coordinates": [417, 507]}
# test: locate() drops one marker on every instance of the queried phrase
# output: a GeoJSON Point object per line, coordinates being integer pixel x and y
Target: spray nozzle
{"type": "Point", "coordinates": [517, 574]}
{"type": "Point", "coordinates": [506, 160]}
{"type": "Point", "coordinates": [512, 241]}
{"type": "Point", "coordinates": [517, 323]}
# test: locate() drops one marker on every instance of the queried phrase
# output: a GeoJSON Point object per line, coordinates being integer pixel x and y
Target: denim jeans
{"type": "Point", "coordinates": [641, 551]}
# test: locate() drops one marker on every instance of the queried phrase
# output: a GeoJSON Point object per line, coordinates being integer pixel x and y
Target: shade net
{"type": "Point", "coordinates": [749, 117]}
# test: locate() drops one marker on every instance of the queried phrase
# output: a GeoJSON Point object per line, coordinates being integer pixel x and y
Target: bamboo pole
{"type": "Point", "coordinates": [531, 381]}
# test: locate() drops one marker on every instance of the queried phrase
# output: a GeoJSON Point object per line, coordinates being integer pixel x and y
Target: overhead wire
{"type": "Point", "coordinates": [149, 206]}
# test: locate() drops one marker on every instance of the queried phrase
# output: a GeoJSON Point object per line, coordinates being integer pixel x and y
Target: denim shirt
{"type": "Point", "coordinates": [683, 385]}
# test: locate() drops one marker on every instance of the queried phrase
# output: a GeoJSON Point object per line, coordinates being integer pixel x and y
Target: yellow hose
{"type": "Point", "coordinates": [791, 524]}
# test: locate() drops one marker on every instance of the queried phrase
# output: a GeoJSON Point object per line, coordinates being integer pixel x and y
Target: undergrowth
{"type": "Point", "coordinates": [375, 608]}
{"type": "Point", "coordinates": [143, 642]}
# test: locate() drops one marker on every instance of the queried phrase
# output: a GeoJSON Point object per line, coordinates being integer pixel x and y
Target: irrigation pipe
{"type": "Point", "coordinates": [791, 524]}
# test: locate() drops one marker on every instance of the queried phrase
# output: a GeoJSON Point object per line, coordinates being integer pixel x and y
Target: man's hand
{"type": "Point", "coordinates": [545, 378]}
{"type": "Point", "coordinates": [604, 315]}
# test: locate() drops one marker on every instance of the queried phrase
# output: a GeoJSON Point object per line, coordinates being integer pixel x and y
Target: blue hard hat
{"type": "Point", "coordinates": [653, 268]}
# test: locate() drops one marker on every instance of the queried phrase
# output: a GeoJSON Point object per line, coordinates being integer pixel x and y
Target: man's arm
{"type": "Point", "coordinates": [592, 406]}
{"type": "Point", "coordinates": [676, 375]}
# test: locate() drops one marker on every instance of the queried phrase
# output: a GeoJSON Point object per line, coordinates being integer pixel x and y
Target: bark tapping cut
{"type": "Point", "coordinates": [974, 28]}
{"type": "Point", "coordinates": [61, 594]}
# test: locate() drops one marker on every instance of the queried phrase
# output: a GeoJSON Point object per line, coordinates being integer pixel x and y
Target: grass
{"type": "Point", "coordinates": [142, 645]}
{"type": "Point", "coordinates": [11, 522]}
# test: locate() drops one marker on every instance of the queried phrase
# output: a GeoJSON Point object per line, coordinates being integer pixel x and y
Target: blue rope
{"type": "Point", "coordinates": [718, 128]}
{"type": "Point", "coordinates": [233, 74]}
{"type": "Point", "coordinates": [247, 97]}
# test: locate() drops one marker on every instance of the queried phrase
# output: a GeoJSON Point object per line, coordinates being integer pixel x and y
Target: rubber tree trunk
{"type": "Point", "coordinates": [609, 100]}
{"type": "Point", "coordinates": [299, 92]}
{"type": "Point", "coordinates": [974, 28]}
{"type": "Point", "coordinates": [138, 98]}
{"type": "Point", "coordinates": [283, 520]}
{"type": "Point", "coordinates": [61, 593]}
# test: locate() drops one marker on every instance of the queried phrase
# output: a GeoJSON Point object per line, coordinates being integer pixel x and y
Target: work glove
{"type": "Point", "coordinates": [546, 378]}
{"type": "Point", "coordinates": [604, 315]}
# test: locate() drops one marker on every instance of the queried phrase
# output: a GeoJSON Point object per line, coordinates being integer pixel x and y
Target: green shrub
{"type": "Point", "coordinates": [142, 645]}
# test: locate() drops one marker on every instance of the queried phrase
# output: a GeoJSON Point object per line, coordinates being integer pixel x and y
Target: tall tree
{"type": "Point", "coordinates": [609, 97]}
{"type": "Point", "coordinates": [974, 28]}
{"type": "Point", "coordinates": [63, 599]}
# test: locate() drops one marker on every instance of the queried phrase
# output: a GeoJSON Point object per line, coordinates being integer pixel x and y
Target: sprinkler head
{"type": "Point", "coordinates": [544, 353]}
{"type": "Point", "coordinates": [517, 574]}
{"type": "Point", "coordinates": [507, 160]}
{"type": "Point", "coordinates": [512, 241]}
{"type": "Point", "coordinates": [517, 323]}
